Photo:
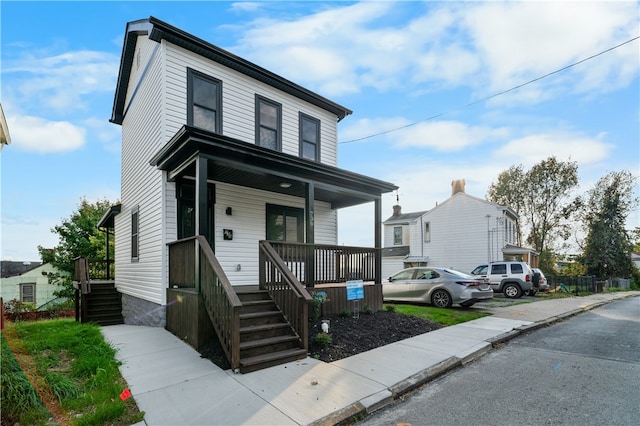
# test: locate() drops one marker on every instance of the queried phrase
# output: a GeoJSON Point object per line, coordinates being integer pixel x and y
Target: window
{"type": "Point", "coordinates": [28, 293]}
{"type": "Point", "coordinates": [268, 123]}
{"type": "Point", "coordinates": [427, 232]}
{"type": "Point", "coordinates": [309, 138]}
{"type": "Point", "coordinates": [285, 224]}
{"type": "Point", "coordinates": [204, 101]}
{"type": "Point", "coordinates": [397, 235]}
{"type": "Point", "coordinates": [516, 268]}
{"type": "Point", "coordinates": [135, 226]}
{"type": "Point", "coordinates": [498, 269]}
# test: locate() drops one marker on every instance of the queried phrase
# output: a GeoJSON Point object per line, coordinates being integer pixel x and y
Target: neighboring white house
{"type": "Point", "coordinates": [215, 145]}
{"type": "Point", "coordinates": [460, 233]}
{"type": "Point", "coordinates": [30, 286]}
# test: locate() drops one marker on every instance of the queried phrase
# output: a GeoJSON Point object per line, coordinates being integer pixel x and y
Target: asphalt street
{"type": "Point", "coordinates": [581, 371]}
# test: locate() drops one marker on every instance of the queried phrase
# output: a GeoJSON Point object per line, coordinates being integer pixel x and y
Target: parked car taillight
{"type": "Point", "coordinates": [527, 278]}
{"type": "Point", "coordinates": [469, 283]}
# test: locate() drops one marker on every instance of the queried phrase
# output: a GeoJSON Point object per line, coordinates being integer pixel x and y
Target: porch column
{"type": "Point", "coordinates": [310, 267]}
{"type": "Point", "coordinates": [378, 239]}
{"type": "Point", "coordinates": [201, 197]}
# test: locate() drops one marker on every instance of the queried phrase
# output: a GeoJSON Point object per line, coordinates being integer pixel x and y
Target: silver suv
{"type": "Point", "coordinates": [512, 279]}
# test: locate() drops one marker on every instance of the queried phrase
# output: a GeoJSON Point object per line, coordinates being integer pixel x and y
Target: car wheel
{"type": "Point", "coordinates": [441, 299]}
{"type": "Point", "coordinates": [467, 304]}
{"type": "Point", "coordinates": [512, 291]}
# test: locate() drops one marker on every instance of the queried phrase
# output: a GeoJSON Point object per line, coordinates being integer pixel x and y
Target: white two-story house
{"type": "Point", "coordinates": [461, 233]}
{"type": "Point", "coordinates": [229, 175]}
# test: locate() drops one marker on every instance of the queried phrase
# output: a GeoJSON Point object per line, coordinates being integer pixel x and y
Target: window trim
{"type": "Point", "coordinates": [302, 117]}
{"type": "Point", "coordinates": [258, 100]}
{"type": "Point", "coordinates": [33, 292]}
{"type": "Point", "coordinates": [295, 211]}
{"type": "Point", "coordinates": [135, 234]}
{"type": "Point", "coordinates": [191, 74]}
{"type": "Point", "coordinates": [395, 237]}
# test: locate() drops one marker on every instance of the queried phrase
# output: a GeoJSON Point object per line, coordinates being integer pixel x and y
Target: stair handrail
{"type": "Point", "coordinates": [205, 275]}
{"type": "Point", "coordinates": [289, 294]}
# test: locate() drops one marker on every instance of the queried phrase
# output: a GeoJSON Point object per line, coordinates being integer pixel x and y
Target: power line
{"type": "Point", "coordinates": [491, 96]}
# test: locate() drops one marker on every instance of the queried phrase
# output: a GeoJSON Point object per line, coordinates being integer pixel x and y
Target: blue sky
{"type": "Point", "coordinates": [393, 64]}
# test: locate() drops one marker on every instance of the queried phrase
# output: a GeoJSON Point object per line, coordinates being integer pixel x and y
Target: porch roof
{"type": "Point", "coordinates": [246, 164]}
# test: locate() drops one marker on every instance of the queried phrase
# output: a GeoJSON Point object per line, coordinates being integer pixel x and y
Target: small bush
{"type": "Point", "coordinates": [390, 308]}
{"type": "Point", "coordinates": [345, 313]}
{"type": "Point", "coordinates": [322, 339]}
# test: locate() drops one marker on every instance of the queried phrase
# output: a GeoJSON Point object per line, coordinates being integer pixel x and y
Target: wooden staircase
{"type": "Point", "coordinates": [266, 337]}
{"type": "Point", "coordinates": [103, 305]}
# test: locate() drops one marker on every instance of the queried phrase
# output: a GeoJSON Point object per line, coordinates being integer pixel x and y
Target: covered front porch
{"type": "Point", "coordinates": [291, 266]}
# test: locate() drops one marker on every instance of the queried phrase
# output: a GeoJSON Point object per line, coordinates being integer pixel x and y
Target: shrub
{"type": "Point", "coordinates": [390, 308]}
{"type": "Point", "coordinates": [345, 313]}
{"type": "Point", "coordinates": [322, 339]}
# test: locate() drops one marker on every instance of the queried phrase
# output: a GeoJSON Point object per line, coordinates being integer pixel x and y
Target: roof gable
{"type": "Point", "coordinates": [158, 30]}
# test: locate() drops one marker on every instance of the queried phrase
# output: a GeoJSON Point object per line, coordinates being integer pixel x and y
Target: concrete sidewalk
{"type": "Point", "coordinates": [173, 385]}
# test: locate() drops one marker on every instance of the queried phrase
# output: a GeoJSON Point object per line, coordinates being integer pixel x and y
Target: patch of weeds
{"type": "Point", "coordinates": [20, 402]}
{"type": "Point", "coordinates": [390, 308]}
{"type": "Point", "coordinates": [345, 313]}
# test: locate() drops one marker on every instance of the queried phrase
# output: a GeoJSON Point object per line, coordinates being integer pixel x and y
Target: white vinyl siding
{"type": "Point", "coordinates": [238, 104]}
{"type": "Point", "coordinates": [152, 117]}
{"type": "Point", "coordinates": [248, 223]}
{"type": "Point", "coordinates": [142, 137]}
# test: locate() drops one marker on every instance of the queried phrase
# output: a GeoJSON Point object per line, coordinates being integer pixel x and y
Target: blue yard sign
{"type": "Point", "coordinates": [355, 290]}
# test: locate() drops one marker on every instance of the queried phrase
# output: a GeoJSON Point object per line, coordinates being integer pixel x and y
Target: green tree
{"type": "Point", "coordinates": [608, 246]}
{"type": "Point", "coordinates": [542, 197]}
{"type": "Point", "coordinates": [509, 191]}
{"type": "Point", "coordinates": [78, 236]}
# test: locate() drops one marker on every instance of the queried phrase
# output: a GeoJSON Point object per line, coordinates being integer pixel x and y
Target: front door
{"type": "Point", "coordinates": [186, 195]}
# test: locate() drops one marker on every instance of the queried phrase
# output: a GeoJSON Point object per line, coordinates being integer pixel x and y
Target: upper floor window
{"type": "Point", "coordinates": [309, 137]}
{"type": "Point", "coordinates": [204, 101]}
{"type": "Point", "coordinates": [397, 235]}
{"type": "Point", "coordinates": [268, 123]}
{"type": "Point", "coordinates": [427, 232]}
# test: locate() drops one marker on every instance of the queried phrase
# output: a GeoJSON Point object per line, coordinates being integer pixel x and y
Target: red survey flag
{"type": "Point", "coordinates": [125, 394]}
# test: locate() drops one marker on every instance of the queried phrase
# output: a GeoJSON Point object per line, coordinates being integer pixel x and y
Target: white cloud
{"type": "Point", "coordinates": [523, 40]}
{"type": "Point", "coordinates": [487, 46]}
{"type": "Point", "coordinates": [36, 134]}
{"type": "Point", "coordinates": [61, 82]}
{"type": "Point", "coordinates": [446, 135]}
{"type": "Point", "coordinates": [564, 146]}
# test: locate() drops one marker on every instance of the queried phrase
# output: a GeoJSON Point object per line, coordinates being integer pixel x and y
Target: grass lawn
{"type": "Point", "coordinates": [64, 371]}
{"type": "Point", "coordinates": [442, 316]}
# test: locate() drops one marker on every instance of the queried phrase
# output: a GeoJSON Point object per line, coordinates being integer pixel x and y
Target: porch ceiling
{"type": "Point", "coordinates": [246, 164]}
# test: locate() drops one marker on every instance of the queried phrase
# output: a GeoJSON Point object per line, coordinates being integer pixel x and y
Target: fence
{"type": "Point", "coordinates": [585, 284]}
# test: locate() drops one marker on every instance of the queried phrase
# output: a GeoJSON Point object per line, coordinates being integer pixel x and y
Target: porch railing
{"type": "Point", "coordinates": [331, 264]}
{"type": "Point", "coordinates": [285, 289]}
{"type": "Point", "coordinates": [192, 264]}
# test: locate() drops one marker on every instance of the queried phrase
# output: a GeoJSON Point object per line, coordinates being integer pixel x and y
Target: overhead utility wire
{"type": "Point", "coordinates": [491, 96]}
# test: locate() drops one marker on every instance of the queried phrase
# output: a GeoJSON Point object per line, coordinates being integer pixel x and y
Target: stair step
{"type": "Point", "coordinates": [263, 327]}
{"type": "Point", "coordinates": [268, 341]}
{"type": "Point", "coordinates": [253, 296]}
{"type": "Point", "coordinates": [268, 360]}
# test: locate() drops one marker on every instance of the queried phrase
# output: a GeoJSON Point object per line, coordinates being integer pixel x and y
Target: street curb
{"type": "Point", "coordinates": [390, 395]}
